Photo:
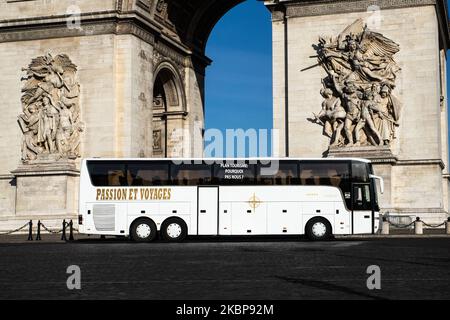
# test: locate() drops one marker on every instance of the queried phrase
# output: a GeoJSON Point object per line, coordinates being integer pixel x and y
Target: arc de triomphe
{"type": "Point", "coordinates": [120, 78]}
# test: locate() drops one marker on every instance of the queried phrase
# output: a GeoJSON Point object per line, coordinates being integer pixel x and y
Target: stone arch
{"type": "Point", "coordinates": [169, 106]}
{"type": "Point", "coordinates": [173, 85]}
{"type": "Point", "coordinates": [205, 19]}
{"type": "Point", "coordinates": [188, 25]}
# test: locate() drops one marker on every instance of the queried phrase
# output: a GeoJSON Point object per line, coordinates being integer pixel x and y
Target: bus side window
{"type": "Point", "coordinates": [287, 174]}
{"type": "Point", "coordinates": [104, 174]}
{"type": "Point", "coordinates": [116, 178]}
{"type": "Point", "coordinates": [327, 173]}
{"type": "Point", "coordinates": [335, 179]}
{"type": "Point", "coordinates": [306, 178]}
{"type": "Point", "coordinates": [144, 174]}
{"type": "Point", "coordinates": [191, 174]}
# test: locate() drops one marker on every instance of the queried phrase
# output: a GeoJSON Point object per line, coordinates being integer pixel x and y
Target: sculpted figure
{"type": "Point", "coordinates": [29, 124]}
{"type": "Point", "coordinates": [48, 125]}
{"type": "Point", "coordinates": [65, 130]}
{"type": "Point", "coordinates": [50, 121]}
{"type": "Point", "coordinates": [351, 101]}
{"type": "Point", "coordinates": [359, 63]}
{"type": "Point", "coordinates": [332, 116]}
{"type": "Point", "coordinates": [387, 115]}
{"type": "Point", "coordinates": [366, 121]}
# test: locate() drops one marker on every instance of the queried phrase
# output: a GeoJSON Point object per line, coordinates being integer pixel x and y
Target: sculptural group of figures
{"type": "Point", "coordinates": [50, 121]}
{"type": "Point", "coordinates": [359, 106]}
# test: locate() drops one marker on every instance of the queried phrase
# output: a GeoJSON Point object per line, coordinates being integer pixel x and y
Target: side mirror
{"type": "Point", "coordinates": [380, 179]}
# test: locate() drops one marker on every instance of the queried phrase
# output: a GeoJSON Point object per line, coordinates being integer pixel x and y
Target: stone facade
{"type": "Point", "coordinates": [415, 164]}
{"type": "Point", "coordinates": [140, 66]}
{"type": "Point", "coordinates": [121, 49]}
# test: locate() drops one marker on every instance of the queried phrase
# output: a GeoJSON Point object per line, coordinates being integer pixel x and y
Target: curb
{"type": "Point", "coordinates": [392, 236]}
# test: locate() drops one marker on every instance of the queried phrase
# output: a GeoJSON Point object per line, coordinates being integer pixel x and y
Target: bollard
{"type": "Point", "coordinates": [63, 235]}
{"type": "Point", "coordinates": [385, 226]}
{"type": "Point", "coordinates": [71, 231]}
{"type": "Point", "coordinates": [30, 230]}
{"type": "Point", "coordinates": [418, 226]}
{"type": "Point", "coordinates": [447, 226]}
{"type": "Point", "coordinates": [38, 235]}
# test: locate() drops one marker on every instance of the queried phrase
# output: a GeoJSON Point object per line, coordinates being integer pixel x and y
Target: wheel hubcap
{"type": "Point", "coordinates": [174, 230]}
{"type": "Point", "coordinates": [319, 229]}
{"type": "Point", "coordinates": [143, 231]}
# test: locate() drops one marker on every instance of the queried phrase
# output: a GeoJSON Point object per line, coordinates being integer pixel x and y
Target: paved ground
{"type": "Point", "coordinates": [227, 269]}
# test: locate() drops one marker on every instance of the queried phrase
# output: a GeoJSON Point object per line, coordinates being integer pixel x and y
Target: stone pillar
{"type": "Point", "coordinates": [177, 137]}
{"type": "Point", "coordinates": [48, 191]}
{"type": "Point", "coordinates": [341, 105]}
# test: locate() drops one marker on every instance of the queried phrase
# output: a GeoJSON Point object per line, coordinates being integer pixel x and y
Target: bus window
{"type": "Point", "coordinates": [148, 174]}
{"type": "Point", "coordinates": [360, 172]}
{"type": "Point", "coordinates": [335, 174]}
{"type": "Point", "coordinates": [329, 173]}
{"type": "Point", "coordinates": [104, 174]}
{"type": "Point", "coordinates": [287, 174]}
{"type": "Point", "coordinates": [190, 174]}
{"type": "Point", "coordinates": [361, 194]}
{"type": "Point", "coordinates": [234, 173]}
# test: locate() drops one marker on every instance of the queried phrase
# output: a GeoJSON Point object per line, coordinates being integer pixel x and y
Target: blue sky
{"type": "Point", "coordinates": [239, 81]}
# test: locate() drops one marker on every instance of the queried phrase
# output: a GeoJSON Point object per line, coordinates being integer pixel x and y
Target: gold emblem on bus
{"type": "Point", "coordinates": [254, 202]}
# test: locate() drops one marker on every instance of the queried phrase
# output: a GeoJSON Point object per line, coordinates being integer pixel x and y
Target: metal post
{"type": "Point", "coordinates": [30, 230]}
{"type": "Point", "coordinates": [447, 226]}
{"type": "Point", "coordinates": [418, 226]}
{"type": "Point", "coordinates": [385, 226]}
{"type": "Point", "coordinates": [71, 231]}
{"type": "Point", "coordinates": [63, 235]}
{"type": "Point", "coordinates": [38, 235]}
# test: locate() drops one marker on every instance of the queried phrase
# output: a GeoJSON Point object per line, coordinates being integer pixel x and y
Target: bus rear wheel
{"type": "Point", "coordinates": [143, 230]}
{"type": "Point", "coordinates": [318, 229]}
{"type": "Point", "coordinates": [173, 230]}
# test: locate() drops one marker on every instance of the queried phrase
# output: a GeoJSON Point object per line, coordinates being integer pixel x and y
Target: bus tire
{"type": "Point", "coordinates": [143, 230]}
{"type": "Point", "coordinates": [318, 229]}
{"type": "Point", "coordinates": [173, 230]}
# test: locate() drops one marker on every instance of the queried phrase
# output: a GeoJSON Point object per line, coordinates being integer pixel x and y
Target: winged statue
{"type": "Point", "coordinates": [361, 73]}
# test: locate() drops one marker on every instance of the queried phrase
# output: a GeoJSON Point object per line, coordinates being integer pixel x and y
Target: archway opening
{"type": "Point", "coordinates": [238, 87]}
{"type": "Point", "coordinates": [168, 109]}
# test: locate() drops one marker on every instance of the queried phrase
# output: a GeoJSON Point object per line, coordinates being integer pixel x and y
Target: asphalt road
{"type": "Point", "coordinates": [227, 269]}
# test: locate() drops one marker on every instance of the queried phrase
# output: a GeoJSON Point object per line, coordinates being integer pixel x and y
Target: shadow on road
{"type": "Point", "coordinates": [322, 285]}
{"type": "Point", "coordinates": [215, 239]}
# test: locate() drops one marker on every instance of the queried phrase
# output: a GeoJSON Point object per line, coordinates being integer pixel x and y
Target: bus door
{"type": "Point", "coordinates": [208, 210]}
{"type": "Point", "coordinates": [362, 208]}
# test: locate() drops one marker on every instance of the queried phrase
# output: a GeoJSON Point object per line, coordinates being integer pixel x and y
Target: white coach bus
{"type": "Point", "coordinates": [142, 198]}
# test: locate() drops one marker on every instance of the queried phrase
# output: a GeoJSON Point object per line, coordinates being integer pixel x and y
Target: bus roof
{"type": "Point", "coordinates": [227, 159]}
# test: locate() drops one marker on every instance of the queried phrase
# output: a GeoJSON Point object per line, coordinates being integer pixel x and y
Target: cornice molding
{"type": "Point", "coordinates": [324, 7]}
{"type": "Point", "coordinates": [99, 23]}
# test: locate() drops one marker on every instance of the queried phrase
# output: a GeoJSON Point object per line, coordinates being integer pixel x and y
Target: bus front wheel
{"type": "Point", "coordinates": [174, 230]}
{"type": "Point", "coordinates": [143, 230]}
{"type": "Point", "coordinates": [318, 229]}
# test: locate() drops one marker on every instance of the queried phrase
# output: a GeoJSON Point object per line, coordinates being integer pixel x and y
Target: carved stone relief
{"type": "Point", "coordinates": [162, 9]}
{"type": "Point", "coordinates": [144, 4]}
{"type": "Point", "coordinates": [163, 53]}
{"type": "Point", "coordinates": [359, 106]}
{"type": "Point", "coordinates": [51, 121]}
{"type": "Point", "coordinates": [157, 141]}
